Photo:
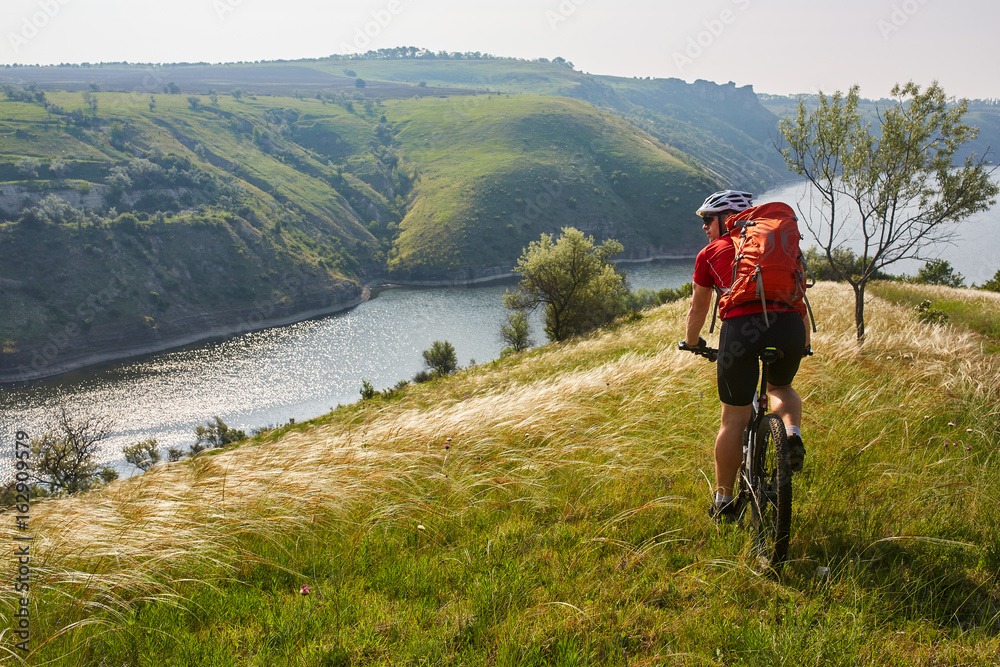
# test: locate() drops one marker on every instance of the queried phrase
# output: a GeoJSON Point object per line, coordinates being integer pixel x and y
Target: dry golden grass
{"type": "Point", "coordinates": [502, 424]}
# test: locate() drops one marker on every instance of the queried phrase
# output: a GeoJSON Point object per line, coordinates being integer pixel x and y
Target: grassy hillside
{"type": "Point", "coordinates": [549, 509]}
{"type": "Point", "coordinates": [494, 172]}
{"type": "Point", "coordinates": [199, 216]}
{"type": "Point", "coordinates": [222, 210]}
{"type": "Point", "coordinates": [725, 128]}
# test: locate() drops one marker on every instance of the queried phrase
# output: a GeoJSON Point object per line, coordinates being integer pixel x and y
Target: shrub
{"type": "Point", "coordinates": [668, 294]}
{"type": "Point", "coordinates": [441, 358]}
{"type": "Point", "coordinates": [939, 272]}
{"type": "Point", "coordinates": [367, 390]}
{"type": "Point", "coordinates": [143, 455]}
{"type": "Point", "coordinates": [926, 313]}
{"type": "Point", "coordinates": [423, 376]}
{"type": "Point", "coordinates": [216, 434]}
{"type": "Point", "coordinates": [28, 167]}
{"type": "Point", "coordinates": [641, 299]}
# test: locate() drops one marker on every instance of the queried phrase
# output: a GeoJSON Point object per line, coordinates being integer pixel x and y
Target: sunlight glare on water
{"type": "Point", "coordinates": [296, 372]}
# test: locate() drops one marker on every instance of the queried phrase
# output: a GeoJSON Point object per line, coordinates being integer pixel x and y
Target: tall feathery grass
{"type": "Point", "coordinates": [550, 509]}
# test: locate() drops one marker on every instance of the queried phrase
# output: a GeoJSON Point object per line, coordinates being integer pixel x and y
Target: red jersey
{"type": "Point", "coordinates": [713, 268]}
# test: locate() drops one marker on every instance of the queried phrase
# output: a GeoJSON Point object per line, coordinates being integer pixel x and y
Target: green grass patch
{"type": "Point", "coordinates": [973, 309]}
{"type": "Point", "coordinates": [549, 509]}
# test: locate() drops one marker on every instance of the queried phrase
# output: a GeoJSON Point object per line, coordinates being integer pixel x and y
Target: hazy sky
{"type": "Point", "coordinates": [778, 46]}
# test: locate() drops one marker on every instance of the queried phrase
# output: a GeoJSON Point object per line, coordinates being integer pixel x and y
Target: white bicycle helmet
{"type": "Point", "coordinates": [726, 200]}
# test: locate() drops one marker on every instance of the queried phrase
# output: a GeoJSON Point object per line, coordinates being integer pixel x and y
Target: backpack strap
{"type": "Point", "coordinates": [715, 309]}
{"type": "Point", "coordinates": [810, 311]}
{"type": "Point", "coordinates": [805, 298]}
{"type": "Point", "coordinates": [759, 279]}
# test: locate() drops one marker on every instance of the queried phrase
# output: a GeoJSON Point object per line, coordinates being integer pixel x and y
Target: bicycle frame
{"type": "Point", "coordinates": [764, 479]}
{"type": "Point", "coordinates": [760, 404]}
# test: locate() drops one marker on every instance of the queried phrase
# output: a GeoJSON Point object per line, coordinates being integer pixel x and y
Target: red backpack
{"type": "Point", "coordinates": [768, 266]}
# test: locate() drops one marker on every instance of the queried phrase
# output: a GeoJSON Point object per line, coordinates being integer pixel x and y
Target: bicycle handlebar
{"type": "Point", "coordinates": [703, 350]}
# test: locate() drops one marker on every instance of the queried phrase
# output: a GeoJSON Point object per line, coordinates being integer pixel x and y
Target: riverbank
{"type": "Point", "coordinates": [70, 349]}
{"type": "Point", "coordinates": [297, 371]}
{"type": "Point", "coordinates": [58, 354]}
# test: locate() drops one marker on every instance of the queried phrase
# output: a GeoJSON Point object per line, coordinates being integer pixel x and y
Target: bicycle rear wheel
{"type": "Point", "coordinates": [771, 492]}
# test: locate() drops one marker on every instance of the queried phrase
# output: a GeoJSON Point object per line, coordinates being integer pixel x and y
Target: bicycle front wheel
{"type": "Point", "coordinates": [771, 492]}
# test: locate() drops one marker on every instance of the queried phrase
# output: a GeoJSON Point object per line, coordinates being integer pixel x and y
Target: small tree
{"type": "Point", "coordinates": [194, 102]}
{"type": "Point", "coordinates": [64, 459]}
{"type": "Point", "coordinates": [28, 167]}
{"type": "Point", "coordinates": [216, 434]}
{"type": "Point", "coordinates": [573, 279]}
{"type": "Point", "coordinates": [143, 455]}
{"type": "Point", "coordinates": [939, 272]}
{"type": "Point", "coordinates": [516, 332]}
{"type": "Point", "coordinates": [359, 83]}
{"type": "Point", "coordinates": [993, 284]}
{"type": "Point", "coordinates": [441, 358]}
{"type": "Point", "coordinates": [90, 99]}
{"type": "Point", "coordinates": [899, 184]}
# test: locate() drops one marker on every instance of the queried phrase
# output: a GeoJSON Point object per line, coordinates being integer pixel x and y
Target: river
{"type": "Point", "coordinates": [295, 372]}
{"type": "Point", "coordinates": [975, 252]}
{"type": "Point", "coordinates": [304, 370]}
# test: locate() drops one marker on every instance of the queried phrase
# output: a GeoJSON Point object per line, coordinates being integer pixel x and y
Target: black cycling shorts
{"type": "Point", "coordinates": [740, 341]}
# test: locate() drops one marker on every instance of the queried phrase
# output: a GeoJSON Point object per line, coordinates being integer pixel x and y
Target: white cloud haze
{"type": "Point", "coordinates": [778, 46]}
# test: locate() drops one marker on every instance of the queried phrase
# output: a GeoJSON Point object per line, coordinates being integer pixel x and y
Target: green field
{"type": "Point", "coordinates": [549, 509]}
{"type": "Point", "coordinates": [494, 172]}
{"type": "Point", "coordinates": [204, 205]}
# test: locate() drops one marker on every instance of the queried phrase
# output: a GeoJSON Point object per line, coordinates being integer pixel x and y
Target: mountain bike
{"type": "Point", "coordinates": [764, 482]}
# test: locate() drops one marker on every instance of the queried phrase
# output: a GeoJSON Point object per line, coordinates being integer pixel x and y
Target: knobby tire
{"type": "Point", "coordinates": [771, 492]}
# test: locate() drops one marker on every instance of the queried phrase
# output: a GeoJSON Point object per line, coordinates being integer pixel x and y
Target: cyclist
{"type": "Point", "coordinates": [745, 331]}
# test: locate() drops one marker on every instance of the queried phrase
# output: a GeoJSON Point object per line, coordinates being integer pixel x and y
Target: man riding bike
{"type": "Point", "coordinates": [746, 329]}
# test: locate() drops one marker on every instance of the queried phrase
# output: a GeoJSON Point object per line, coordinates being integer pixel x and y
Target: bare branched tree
{"type": "Point", "coordinates": [895, 192]}
{"type": "Point", "coordinates": [65, 458]}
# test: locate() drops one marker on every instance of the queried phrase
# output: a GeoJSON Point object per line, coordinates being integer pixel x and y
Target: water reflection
{"type": "Point", "coordinates": [294, 372]}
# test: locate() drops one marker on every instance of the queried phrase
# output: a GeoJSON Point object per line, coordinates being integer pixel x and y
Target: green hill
{"type": "Point", "coordinates": [549, 509]}
{"type": "Point", "coordinates": [204, 219]}
{"type": "Point", "coordinates": [494, 172]}
{"type": "Point", "coordinates": [724, 127]}
{"type": "Point", "coordinates": [214, 214]}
